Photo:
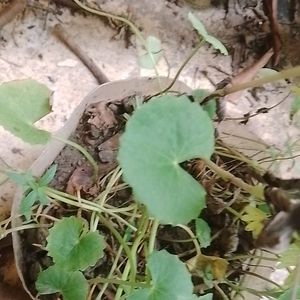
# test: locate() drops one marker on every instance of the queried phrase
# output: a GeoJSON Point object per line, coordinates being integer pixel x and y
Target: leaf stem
{"type": "Point", "coordinates": [152, 237]}
{"type": "Point", "coordinates": [220, 291]}
{"type": "Point", "coordinates": [118, 282]}
{"type": "Point", "coordinates": [23, 227]}
{"type": "Point", "coordinates": [131, 261]}
{"type": "Point", "coordinates": [256, 191]}
{"type": "Point", "coordinates": [141, 234]}
{"type": "Point", "coordinates": [132, 26]}
{"type": "Point", "coordinates": [289, 73]}
{"type": "Point", "coordinates": [249, 256]}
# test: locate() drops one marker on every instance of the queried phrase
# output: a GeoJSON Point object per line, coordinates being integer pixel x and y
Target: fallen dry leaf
{"type": "Point", "coordinates": [80, 180]}
{"type": "Point", "coordinates": [202, 263]}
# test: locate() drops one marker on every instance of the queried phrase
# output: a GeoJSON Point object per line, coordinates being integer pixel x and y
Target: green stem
{"type": "Point", "coordinates": [23, 227]}
{"type": "Point", "coordinates": [234, 212]}
{"type": "Point", "coordinates": [190, 56]}
{"type": "Point", "coordinates": [118, 282]}
{"type": "Point", "coordinates": [132, 26]}
{"type": "Point", "coordinates": [239, 290]}
{"type": "Point", "coordinates": [131, 261]}
{"type": "Point", "coordinates": [194, 239]}
{"type": "Point", "coordinates": [105, 285]}
{"type": "Point", "coordinates": [256, 191]}
{"type": "Point", "coordinates": [249, 256]}
{"type": "Point", "coordinates": [152, 237]}
{"type": "Point", "coordinates": [289, 73]}
{"type": "Point", "coordinates": [262, 278]}
{"type": "Point", "coordinates": [134, 248]}
{"type": "Point", "coordinates": [88, 156]}
{"type": "Point", "coordinates": [85, 204]}
{"type": "Point", "coordinates": [220, 291]}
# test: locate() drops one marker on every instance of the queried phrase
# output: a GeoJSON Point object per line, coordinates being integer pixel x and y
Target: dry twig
{"type": "Point", "coordinates": [62, 34]}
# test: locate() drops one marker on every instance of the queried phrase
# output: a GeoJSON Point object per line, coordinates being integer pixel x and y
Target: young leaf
{"type": "Point", "coordinates": [71, 247]}
{"type": "Point", "coordinates": [48, 176]}
{"type": "Point", "coordinates": [254, 218]}
{"type": "Point", "coordinates": [22, 179]}
{"type": "Point", "coordinates": [159, 136]}
{"type": "Point", "coordinates": [170, 279]}
{"type": "Point", "coordinates": [203, 232]}
{"type": "Point", "coordinates": [72, 285]}
{"type": "Point", "coordinates": [23, 102]}
{"type": "Point", "coordinates": [149, 57]}
{"type": "Point", "coordinates": [26, 204]}
{"type": "Point", "coordinates": [197, 24]}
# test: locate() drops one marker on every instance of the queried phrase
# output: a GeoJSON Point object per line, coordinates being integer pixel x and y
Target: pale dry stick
{"type": "Point", "coordinates": [62, 34]}
{"type": "Point", "coordinates": [9, 12]}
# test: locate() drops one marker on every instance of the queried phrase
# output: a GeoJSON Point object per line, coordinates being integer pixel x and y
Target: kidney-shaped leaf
{"type": "Point", "coordinates": [158, 137]}
{"type": "Point", "coordinates": [23, 102]}
{"type": "Point", "coordinates": [170, 279]}
{"type": "Point", "coordinates": [73, 248]}
{"type": "Point", "coordinates": [72, 285]}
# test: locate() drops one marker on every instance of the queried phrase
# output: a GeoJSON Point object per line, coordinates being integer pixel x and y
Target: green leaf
{"type": "Point", "coordinates": [255, 219]}
{"type": "Point", "coordinates": [197, 24]}
{"type": "Point", "coordinates": [41, 196]}
{"type": "Point", "coordinates": [23, 102]}
{"type": "Point", "coordinates": [216, 44]}
{"type": "Point", "coordinates": [72, 285]}
{"type": "Point", "coordinates": [210, 107]}
{"type": "Point", "coordinates": [199, 95]}
{"type": "Point", "coordinates": [170, 279]}
{"type": "Point", "coordinates": [287, 295]}
{"type": "Point", "coordinates": [295, 106]}
{"type": "Point", "coordinates": [151, 54]}
{"type": "Point", "coordinates": [26, 204]}
{"type": "Point", "coordinates": [203, 233]}
{"type": "Point", "coordinates": [22, 179]}
{"type": "Point", "coordinates": [72, 247]}
{"type": "Point", "coordinates": [48, 176]}
{"type": "Point", "coordinates": [290, 257]}
{"type": "Point", "coordinates": [159, 136]}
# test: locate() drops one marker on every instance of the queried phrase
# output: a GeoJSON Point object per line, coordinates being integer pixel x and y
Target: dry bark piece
{"type": "Point", "coordinates": [80, 180]}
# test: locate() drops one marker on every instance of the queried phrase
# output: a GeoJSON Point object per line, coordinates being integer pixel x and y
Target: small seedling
{"type": "Point", "coordinates": [73, 248]}
{"type": "Point", "coordinates": [34, 189]}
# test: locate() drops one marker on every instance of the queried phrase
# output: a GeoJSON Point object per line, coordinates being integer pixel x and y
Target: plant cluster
{"type": "Point", "coordinates": [160, 138]}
